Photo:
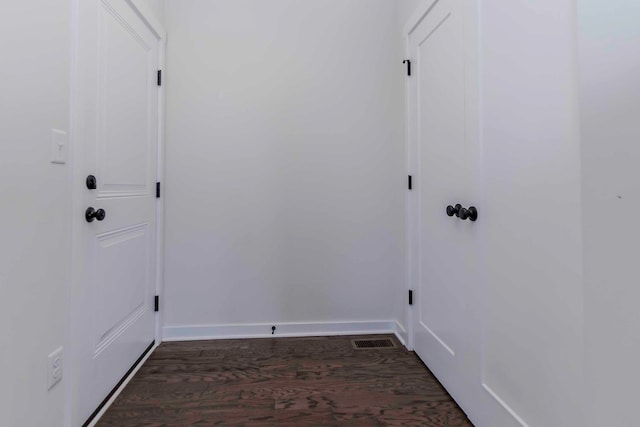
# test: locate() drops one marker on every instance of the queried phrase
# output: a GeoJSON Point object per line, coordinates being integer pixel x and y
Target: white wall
{"type": "Point", "coordinates": [285, 170]}
{"type": "Point", "coordinates": [609, 37]}
{"type": "Point", "coordinates": [35, 207]}
{"type": "Point", "coordinates": [532, 209]}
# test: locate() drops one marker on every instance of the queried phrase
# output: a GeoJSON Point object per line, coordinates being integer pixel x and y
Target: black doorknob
{"type": "Point", "coordinates": [453, 210]}
{"type": "Point", "coordinates": [90, 214]}
{"type": "Point", "coordinates": [473, 213]}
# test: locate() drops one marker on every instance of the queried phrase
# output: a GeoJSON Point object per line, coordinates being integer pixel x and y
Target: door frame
{"type": "Point", "coordinates": [77, 205]}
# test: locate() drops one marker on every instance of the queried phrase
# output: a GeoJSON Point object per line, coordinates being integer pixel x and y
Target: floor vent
{"type": "Point", "coordinates": [373, 344]}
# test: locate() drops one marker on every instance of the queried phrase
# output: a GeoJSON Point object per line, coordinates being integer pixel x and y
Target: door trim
{"type": "Point", "coordinates": [418, 15]}
{"type": "Point", "coordinates": [77, 204]}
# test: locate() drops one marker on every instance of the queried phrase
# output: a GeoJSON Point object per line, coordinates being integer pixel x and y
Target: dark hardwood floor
{"type": "Point", "coordinates": [283, 382]}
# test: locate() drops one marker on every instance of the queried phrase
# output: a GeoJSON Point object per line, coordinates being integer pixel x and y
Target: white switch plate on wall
{"type": "Point", "coordinates": [54, 368]}
{"type": "Point", "coordinates": [58, 146]}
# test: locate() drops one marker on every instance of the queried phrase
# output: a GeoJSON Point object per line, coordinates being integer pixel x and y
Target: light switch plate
{"type": "Point", "coordinates": [58, 146]}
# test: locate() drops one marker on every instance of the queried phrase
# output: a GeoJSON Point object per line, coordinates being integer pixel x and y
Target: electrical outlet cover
{"type": "Point", "coordinates": [54, 368]}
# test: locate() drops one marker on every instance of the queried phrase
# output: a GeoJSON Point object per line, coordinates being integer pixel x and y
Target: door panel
{"type": "Point", "coordinates": [122, 279]}
{"type": "Point", "coordinates": [127, 63]}
{"type": "Point", "coordinates": [441, 168]}
{"type": "Point", "coordinates": [117, 131]}
{"type": "Point", "coordinates": [440, 324]}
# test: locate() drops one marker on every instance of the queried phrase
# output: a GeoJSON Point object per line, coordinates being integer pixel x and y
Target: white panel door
{"type": "Point", "coordinates": [446, 263]}
{"type": "Point", "coordinates": [117, 136]}
{"type": "Point", "coordinates": [444, 157]}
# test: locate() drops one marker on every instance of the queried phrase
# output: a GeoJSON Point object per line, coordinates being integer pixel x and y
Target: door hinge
{"type": "Point", "coordinates": [157, 190]}
{"type": "Point", "coordinates": [410, 297]}
{"type": "Point", "coordinates": [156, 303]}
{"type": "Point", "coordinates": [159, 77]}
{"type": "Point", "coordinates": [408, 62]}
{"type": "Point", "coordinates": [410, 184]}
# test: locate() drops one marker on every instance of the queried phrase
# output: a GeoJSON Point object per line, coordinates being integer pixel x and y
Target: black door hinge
{"type": "Point", "coordinates": [410, 184]}
{"type": "Point", "coordinates": [156, 303]}
{"type": "Point", "coordinates": [410, 297]}
{"type": "Point", "coordinates": [157, 190]}
{"type": "Point", "coordinates": [159, 77]}
{"type": "Point", "coordinates": [408, 62]}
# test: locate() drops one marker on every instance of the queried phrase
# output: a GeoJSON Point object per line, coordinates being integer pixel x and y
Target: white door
{"type": "Point", "coordinates": [117, 137]}
{"type": "Point", "coordinates": [441, 323]}
{"type": "Point", "coordinates": [443, 156]}
{"type": "Point", "coordinates": [446, 261]}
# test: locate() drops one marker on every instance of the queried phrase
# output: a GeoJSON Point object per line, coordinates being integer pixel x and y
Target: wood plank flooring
{"type": "Point", "coordinates": [320, 381]}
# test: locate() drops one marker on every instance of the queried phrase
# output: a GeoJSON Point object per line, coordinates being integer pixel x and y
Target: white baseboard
{"type": "Point", "coordinates": [401, 333]}
{"type": "Point", "coordinates": [263, 330]}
